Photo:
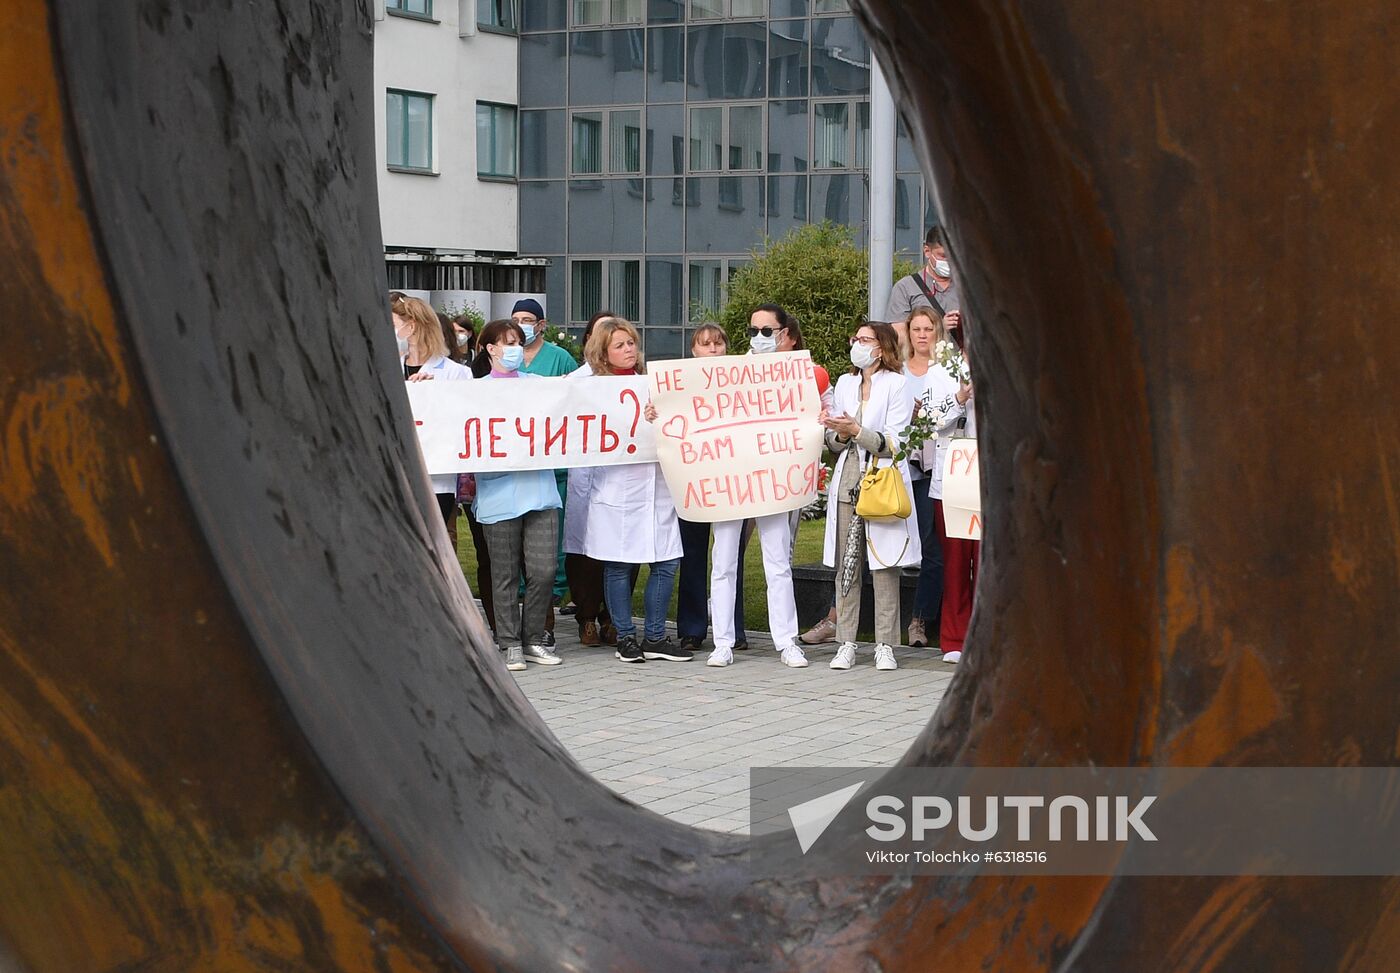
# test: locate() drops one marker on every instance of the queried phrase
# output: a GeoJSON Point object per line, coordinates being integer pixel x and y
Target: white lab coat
{"type": "Point", "coordinates": [443, 369]}
{"type": "Point", "coordinates": [620, 513]}
{"type": "Point", "coordinates": [889, 411]}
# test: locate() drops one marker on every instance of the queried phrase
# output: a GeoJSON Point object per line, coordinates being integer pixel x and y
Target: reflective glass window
{"type": "Point", "coordinates": [862, 110]}
{"type": "Point", "coordinates": [590, 12]}
{"type": "Point", "coordinates": [830, 6]}
{"type": "Point", "coordinates": [666, 140]}
{"type": "Point", "coordinates": [662, 343]}
{"type": "Point", "coordinates": [544, 14]}
{"type": "Point", "coordinates": [606, 66]}
{"type": "Point", "coordinates": [665, 213]}
{"type": "Point", "coordinates": [665, 11]}
{"type": "Point", "coordinates": [748, 8]}
{"type": "Point", "coordinates": [787, 8]}
{"type": "Point", "coordinates": [787, 136]}
{"type": "Point", "coordinates": [904, 158]}
{"type": "Point", "coordinates": [495, 140]}
{"type": "Point", "coordinates": [787, 59]}
{"type": "Point", "coordinates": [727, 60]}
{"type": "Point", "coordinates": [706, 139]}
{"type": "Point", "coordinates": [665, 292]}
{"type": "Point", "coordinates": [409, 121]}
{"type": "Point", "coordinates": [840, 58]}
{"type": "Point", "coordinates": [499, 14]}
{"type": "Point", "coordinates": [542, 144]}
{"type": "Point", "coordinates": [625, 137]}
{"type": "Point", "coordinates": [840, 198]}
{"type": "Point", "coordinates": [831, 135]}
{"type": "Point", "coordinates": [542, 70]}
{"type": "Point", "coordinates": [625, 288]}
{"type": "Point", "coordinates": [726, 215]}
{"type": "Point", "coordinates": [786, 204]}
{"type": "Point", "coordinates": [587, 142]}
{"type": "Point", "coordinates": [605, 216]}
{"type": "Point", "coordinates": [542, 217]}
{"type": "Point", "coordinates": [908, 231]}
{"type": "Point", "coordinates": [745, 137]}
{"type": "Point", "coordinates": [706, 289]}
{"type": "Point", "coordinates": [556, 282]}
{"type": "Point", "coordinates": [423, 8]}
{"type": "Point", "coordinates": [586, 290]}
{"type": "Point", "coordinates": [705, 9]}
{"type": "Point", "coordinates": [666, 64]}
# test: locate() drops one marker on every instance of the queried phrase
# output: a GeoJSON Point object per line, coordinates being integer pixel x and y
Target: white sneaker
{"type": "Point", "coordinates": [884, 658]}
{"type": "Point", "coordinates": [953, 656]}
{"type": "Point", "coordinates": [515, 658]}
{"type": "Point", "coordinates": [845, 656]}
{"type": "Point", "coordinates": [720, 657]}
{"type": "Point", "coordinates": [793, 657]}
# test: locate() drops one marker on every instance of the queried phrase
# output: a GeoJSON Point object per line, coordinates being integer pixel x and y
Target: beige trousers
{"type": "Point", "coordinates": [884, 580]}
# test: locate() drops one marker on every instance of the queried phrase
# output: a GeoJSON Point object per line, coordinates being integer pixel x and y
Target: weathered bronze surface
{"type": "Point", "coordinates": [249, 719]}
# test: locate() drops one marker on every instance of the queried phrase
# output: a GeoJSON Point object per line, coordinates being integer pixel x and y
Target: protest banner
{"type": "Point", "coordinates": [498, 425]}
{"type": "Point", "coordinates": [737, 436]}
{"type": "Point", "coordinates": [962, 490]}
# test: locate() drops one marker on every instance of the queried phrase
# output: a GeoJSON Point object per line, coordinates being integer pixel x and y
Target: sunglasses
{"type": "Point", "coordinates": [766, 332]}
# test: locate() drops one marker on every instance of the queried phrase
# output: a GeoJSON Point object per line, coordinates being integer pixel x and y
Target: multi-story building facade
{"type": "Point", "coordinates": [447, 133]}
{"type": "Point", "coordinates": [662, 140]}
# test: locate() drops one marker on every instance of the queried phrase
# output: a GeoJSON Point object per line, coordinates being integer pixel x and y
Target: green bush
{"type": "Point", "coordinates": [564, 340]}
{"type": "Point", "coordinates": [817, 273]}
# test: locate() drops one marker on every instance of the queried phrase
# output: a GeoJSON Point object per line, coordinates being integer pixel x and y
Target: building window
{"type": "Point", "coordinates": [495, 140]}
{"type": "Point", "coordinates": [840, 134]}
{"type": "Point", "coordinates": [726, 9]}
{"type": "Point", "coordinates": [623, 127]}
{"type": "Point", "coordinates": [496, 15]}
{"type": "Point", "coordinates": [413, 8]}
{"type": "Point", "coordinates": [726, 138]}
{"type": "Point", "coordinates": [709, 286]}
{"type": "Point", "coordinates": [409, 124]}
{"type": "Point", "coordinates": [601, 13]}
{"type": "Point", "coordinates": [590, 280]}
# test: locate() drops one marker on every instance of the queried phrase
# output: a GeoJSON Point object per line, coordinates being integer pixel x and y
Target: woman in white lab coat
{"type": "Point", "coordinates": [870, 417]}
{"type": "Point", "coordinates": [631, 518]}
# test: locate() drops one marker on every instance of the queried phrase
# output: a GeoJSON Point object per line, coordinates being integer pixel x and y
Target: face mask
{"type": "Point", "coordinates": [941, 268]}
{"type": "Point", "coordinates": [512, 358]}
{"type": "Point", "coordinates": [862, 357]}
{"type": "Point", "coordinates": [463, 339]}
{"type": "Point", "coordinates": [763, 345]}
{"type": "Point", "coordinates": [403, 347]}
{"type": "Point", "coordinates": [529, 330]}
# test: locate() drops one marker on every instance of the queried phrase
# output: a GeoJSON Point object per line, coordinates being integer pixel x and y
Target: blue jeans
{"type": "Point", "coordinates": [693, 606]}
{"type": "Point", "coordinates": [928, 593]}
{"type": "Point", "coordinates": [617, 592]}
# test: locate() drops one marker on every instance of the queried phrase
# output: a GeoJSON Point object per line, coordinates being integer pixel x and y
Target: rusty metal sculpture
{"type": "Point", "coordinates": [249, 720]}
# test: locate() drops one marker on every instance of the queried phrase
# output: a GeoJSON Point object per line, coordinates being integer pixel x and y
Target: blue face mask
{"type": "Point", "coordinates": [529, 330]}
{"type": "Point", "coordinates": [512, 358]}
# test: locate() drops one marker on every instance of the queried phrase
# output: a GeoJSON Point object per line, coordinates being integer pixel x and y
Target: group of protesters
{"type": "Point", "coordinates": [588, 530]}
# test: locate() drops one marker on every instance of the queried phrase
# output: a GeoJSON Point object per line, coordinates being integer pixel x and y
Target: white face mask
{"type": "Point", "coordinates": [862, 357]}
{"type": "Point", "coordinates": [403, 347]}
{"type": "Point", "coordinates": [761, 345]}
{"type": "Point", "coordinates": [462, 340]}
{"type": "Point", "coordinates": [942, 269]}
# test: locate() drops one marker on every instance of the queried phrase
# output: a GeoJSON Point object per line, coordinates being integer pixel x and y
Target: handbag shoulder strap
{"type": "Point", "coordinates": [919, 279]}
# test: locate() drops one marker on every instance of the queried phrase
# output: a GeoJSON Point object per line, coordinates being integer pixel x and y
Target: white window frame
{"type": "Point", "coordinates": [605, 141]}
{"type": "Point", "coordinates": [514, 174]}
{"type": "Point", "coordinates": [614, 14]}
{"type": "Point", "coordinates": [606, 261]}
{"type": "Point", "coordinates": [431, 168]}
{"type": "Point", "coordinates": [726, 12]}
{"type": "Point", "coordinates": [853, 141]}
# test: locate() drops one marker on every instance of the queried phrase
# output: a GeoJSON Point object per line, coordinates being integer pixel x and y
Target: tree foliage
{"type": "Point", "coordinates": [818, 274]}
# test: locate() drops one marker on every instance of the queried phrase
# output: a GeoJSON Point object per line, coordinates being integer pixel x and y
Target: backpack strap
{"type": "Point", "coordinates": [918, 278]}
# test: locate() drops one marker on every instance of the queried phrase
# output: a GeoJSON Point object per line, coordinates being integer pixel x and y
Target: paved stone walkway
{"type": "Point", "coordinates": [680, 737]}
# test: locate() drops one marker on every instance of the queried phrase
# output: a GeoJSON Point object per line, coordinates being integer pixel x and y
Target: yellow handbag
{"type": "Point", "coordinates": [882, 494]}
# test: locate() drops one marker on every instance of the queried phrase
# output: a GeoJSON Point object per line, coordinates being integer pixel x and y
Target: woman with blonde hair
{"type": "Point", "coordinates": [871, 413]}
{"type": "Point", "coordinates": [632, 518]}
{"type": "Point", "coordinates": [928, 383]}
{"type": "Point", "coordinates": [423, 357]}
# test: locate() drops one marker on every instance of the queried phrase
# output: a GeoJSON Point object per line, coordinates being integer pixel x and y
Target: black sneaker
{"type": "Point", "coordinates": [668, 650]}
{"type": "Point", "coordinates": [692, 643]}
{"type": "Point", "coordinates": [741, 646]}
{"type": "Point", "coordinates": [628, 650]}
{"type": "Point", "coordinates": [548, 639]}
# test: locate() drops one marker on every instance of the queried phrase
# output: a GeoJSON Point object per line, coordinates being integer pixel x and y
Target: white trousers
{"type": "Point", "coordinates": [775, 534]}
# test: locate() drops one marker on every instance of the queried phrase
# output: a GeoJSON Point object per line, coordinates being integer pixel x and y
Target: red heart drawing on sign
{"type": "Point", "coordinates": [675, 427]}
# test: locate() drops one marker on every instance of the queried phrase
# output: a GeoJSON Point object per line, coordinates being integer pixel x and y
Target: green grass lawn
{"type": "Point", "coordinates": [809, 551]}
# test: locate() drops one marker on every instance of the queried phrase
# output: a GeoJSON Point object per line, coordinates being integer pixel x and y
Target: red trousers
{"type": "Point", "coordinates": [960, 559]}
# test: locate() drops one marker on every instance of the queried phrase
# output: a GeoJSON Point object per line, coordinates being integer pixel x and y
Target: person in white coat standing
{"type": "Point", "coordinates": [870, 417]}
{"type": "Point", "coordinates": [631, 519]}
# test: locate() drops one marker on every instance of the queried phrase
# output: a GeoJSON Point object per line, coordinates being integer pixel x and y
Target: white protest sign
{"type": "Point", "coordinates": [502, 424]}
{"type": "Point", "coordinates": [737, 436]}
{"type": "Point", "coordinates": [962, 490]}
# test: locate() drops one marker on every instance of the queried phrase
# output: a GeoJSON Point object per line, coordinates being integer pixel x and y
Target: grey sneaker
{"type": "Point", "coordinates": [823, 631]}
{"type": "Point", "coordinates": [542, 654]}
{"type": "Point", "coordinates": [515, 659]}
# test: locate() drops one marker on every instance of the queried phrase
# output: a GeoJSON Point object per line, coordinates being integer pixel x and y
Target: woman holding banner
{"type": "Point", "coordinates": [954, 418]}
{"type": "Point", "coordinates": [518, 515]}
{"type": "Point", "coordinates": [871, 412]}
{"type": "Point", "coordinates": [632, 519]}
{"type": "Point", "coordinates": [423, 357]}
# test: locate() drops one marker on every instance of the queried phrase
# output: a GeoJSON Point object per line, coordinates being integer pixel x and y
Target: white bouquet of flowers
{"type": "Point", "coordinates": [950, 358]}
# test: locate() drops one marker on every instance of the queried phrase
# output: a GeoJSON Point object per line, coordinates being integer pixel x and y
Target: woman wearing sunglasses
{"type": "Point", "coordinates": [872, 410]}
